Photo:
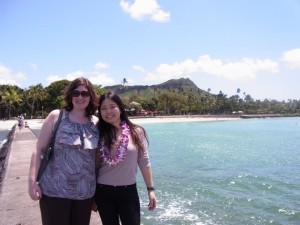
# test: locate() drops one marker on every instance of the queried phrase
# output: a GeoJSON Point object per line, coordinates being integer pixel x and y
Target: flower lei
{"type": "Point", "coordinates": [122, 147]}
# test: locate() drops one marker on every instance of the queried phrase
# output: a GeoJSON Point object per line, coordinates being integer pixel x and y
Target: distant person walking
{"type": "Point", "coordinates": [21, 122]}
{"type": "Point", "coordinates": [67, 187]}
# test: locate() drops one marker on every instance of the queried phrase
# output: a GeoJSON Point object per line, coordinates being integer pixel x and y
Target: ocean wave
{"type": "Point", "coordinates": [176, 210]}
{"type": "Point", "coordinates": [2, 143]}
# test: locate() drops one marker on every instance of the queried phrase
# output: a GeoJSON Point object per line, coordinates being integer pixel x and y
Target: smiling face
{"type": "Point", "coordinates": [110, 112]}
{"type": "Point", "coordinates": [80, 99]}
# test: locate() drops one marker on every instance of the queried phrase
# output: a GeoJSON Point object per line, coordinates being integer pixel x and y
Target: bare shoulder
{"type": "Point", "coordinates": [55, 113]}
{"type": "Point", "coordinates": [48, 124]}
{"type": "Point", "coordinates": [52, 118]}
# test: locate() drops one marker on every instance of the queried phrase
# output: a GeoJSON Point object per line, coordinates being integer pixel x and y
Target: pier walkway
{"type": "Point", "coordinates": [16, 207]}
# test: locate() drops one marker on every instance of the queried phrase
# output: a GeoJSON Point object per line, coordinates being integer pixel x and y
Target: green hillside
{"type": "Point", "coordinates": [182, 85]}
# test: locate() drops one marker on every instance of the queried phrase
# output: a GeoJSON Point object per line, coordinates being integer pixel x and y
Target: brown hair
{"type": "Point", "coordinates": [107, 130]}
{"type": "Point", "coordinates": [92, 106]}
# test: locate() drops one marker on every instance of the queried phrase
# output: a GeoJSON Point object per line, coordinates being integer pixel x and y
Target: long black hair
{"type": "Point", "coordinates": [107, 131]}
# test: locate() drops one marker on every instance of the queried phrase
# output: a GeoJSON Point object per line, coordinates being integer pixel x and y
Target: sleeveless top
{"type": "Point", "coordinates": [71, 171]}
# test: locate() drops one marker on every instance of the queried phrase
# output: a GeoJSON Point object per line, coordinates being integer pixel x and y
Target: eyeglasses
{"type": "Point", "coordinates": [84, 94]}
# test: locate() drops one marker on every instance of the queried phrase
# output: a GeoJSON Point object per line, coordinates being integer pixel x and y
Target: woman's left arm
{"type": "Point", "coordinates": [145, 167]}
{"type": "Point", "coordinates": [147, 175]}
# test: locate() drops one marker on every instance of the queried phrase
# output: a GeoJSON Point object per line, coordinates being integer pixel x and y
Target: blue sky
{"type": "Point", "coordinates": [222, 45]}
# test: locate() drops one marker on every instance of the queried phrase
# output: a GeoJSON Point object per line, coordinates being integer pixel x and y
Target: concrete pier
{"type": "Point", "coordinates": [16, 207]}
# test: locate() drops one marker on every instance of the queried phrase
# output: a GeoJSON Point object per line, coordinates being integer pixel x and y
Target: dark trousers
{"type": "Point", "coordinates": [61, 211]}
{"type": "Point", "coordinates": [118, 203]}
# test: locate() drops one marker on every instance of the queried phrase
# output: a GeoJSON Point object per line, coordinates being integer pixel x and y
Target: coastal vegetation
{"type": "Point", "coordinates": [173, 97]}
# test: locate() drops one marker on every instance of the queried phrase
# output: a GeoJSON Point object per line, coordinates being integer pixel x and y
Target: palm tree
{"type": "Point", "coordinates": [36, 93]}
{"type": "Point", "coordinates": [11, 96]}
{"type": "Point", "coordinates": [124, 81]}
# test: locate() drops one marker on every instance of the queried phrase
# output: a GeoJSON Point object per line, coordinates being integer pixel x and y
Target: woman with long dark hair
{"type": "Point", "coordinates": [123, 148]}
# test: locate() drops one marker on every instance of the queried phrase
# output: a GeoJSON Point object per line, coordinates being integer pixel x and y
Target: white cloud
{"type": "Point", "coordinates": [101, 79]}
{"type": "Point", "coordinates": [53, 78]}
{"type": "Point", "coordinates": [9, 77]}
{"type": "Point", "coordinates": [138, 69]}
{"type": "Point", "coordinates": [33, 66]}
{"type": "Point", "coordinates": [4, 71]}
{"type": "Point", "coordinates": [244, 69]}
{"type": "Point", "coordinates": [130, 81]}
{"type": "Point", "coordinates": [145, 9]}
{"type": "Point", "coordinates": [95, 77]}
{"type": "Point", "coordinates": [101, 65]}
{"type": "Point", "coordinates": [292, 58]}
{"type": "Point", "coordinates": [70, 77]}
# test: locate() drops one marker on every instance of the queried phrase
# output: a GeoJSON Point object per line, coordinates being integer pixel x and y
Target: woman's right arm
{"type": "Point", "coordinates": [42, 143]}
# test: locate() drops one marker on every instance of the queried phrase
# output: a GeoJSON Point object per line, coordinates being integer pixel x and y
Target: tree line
{"type": "Point", "coordinates": [187, 101]}
{"type": "Point", "coordinates": [34, 102]}
{"type": "Point", "coordinates": [37, 101]}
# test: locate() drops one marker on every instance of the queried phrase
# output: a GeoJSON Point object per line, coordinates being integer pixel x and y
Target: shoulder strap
{"type": "Point", "coordinates": [47, 156]}
{"type": "Point", "coordinates": [56, 127]}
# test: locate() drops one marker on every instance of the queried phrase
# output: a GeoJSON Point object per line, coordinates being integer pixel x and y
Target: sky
{"type": "Point", "coordinates": [219, 45]}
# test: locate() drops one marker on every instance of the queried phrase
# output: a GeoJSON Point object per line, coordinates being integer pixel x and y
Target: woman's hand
{"type": "Point", "coordinates": [34, 191]}
{"type": "Point", "coordinates": [152, 201]}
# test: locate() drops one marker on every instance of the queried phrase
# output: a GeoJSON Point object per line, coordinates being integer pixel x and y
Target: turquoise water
{"type": "Point", "coordinates": [224, 173]}
{"type": "Point", "coordinates": [231, 172]}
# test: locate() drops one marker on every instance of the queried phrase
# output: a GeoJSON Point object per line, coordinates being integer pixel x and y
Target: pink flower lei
{"type": "Point", "coordinates": [122, 147]}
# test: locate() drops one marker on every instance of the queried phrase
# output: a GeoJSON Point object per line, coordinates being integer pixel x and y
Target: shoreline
{"type": "Point", "coordinates": [178, 119]}
{"type": "Point", "coordinates": [37, 123]}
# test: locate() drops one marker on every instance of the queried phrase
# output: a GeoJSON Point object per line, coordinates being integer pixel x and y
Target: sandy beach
{"type": "Point", "coordinates": [176, 119]}
{"type": "Point", "coordinates": [8, 124]}
{"type": "Point", "coordinates": [37, 123]}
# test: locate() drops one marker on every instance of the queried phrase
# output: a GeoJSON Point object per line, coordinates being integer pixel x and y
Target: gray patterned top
{"type": "Point", "coordinates": [71, 171]}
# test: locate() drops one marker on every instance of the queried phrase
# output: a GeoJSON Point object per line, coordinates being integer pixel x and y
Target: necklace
{"type": "Point", "coordinates": [122, 147]}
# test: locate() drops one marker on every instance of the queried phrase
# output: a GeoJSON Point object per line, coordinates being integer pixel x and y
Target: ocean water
{"type": "Point", "coordinates": [224, 172]}
{"type": "Point", "coordinates": [3, 136]}
{"type": "Point", "coordinates": [230, 172]}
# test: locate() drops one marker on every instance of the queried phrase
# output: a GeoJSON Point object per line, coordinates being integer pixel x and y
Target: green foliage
{"type": "Point", "coordinates": [182, 96]}
{"type": "Point", "coordinates": [99, 91]}
{"type": "Point", "coordinates": [173, 97]}
{"type": "Point", "coordinates": [55, 92]}
{"type": "Point", "coordinates": [11, 97]}
{"type": "Point", "coordinates": [36, 94]}
{"type": "Point", "coordinates": [36, 101]}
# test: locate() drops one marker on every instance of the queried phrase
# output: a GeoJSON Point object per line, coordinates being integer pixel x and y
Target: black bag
{"type": "Point", "coordinates": [46, 156]}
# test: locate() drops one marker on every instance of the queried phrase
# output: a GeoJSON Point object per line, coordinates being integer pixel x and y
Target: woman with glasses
{"type": "Point", "coordinates": [67, 186]}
